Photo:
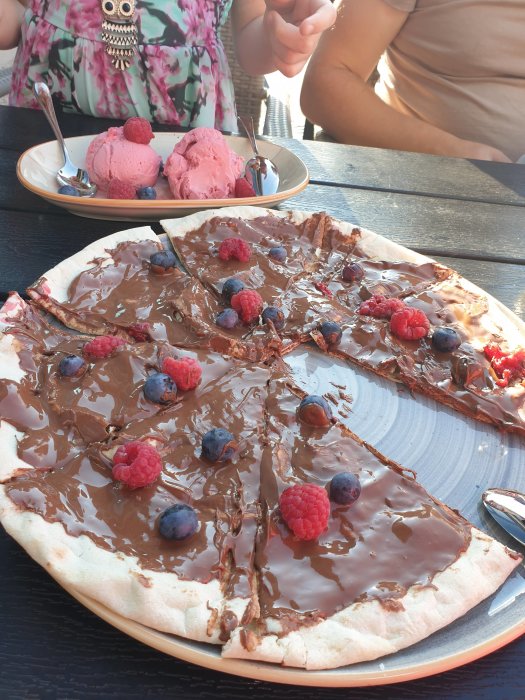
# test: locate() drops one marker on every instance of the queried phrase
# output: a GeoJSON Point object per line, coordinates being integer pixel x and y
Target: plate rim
{"type": "Point", "coordinates": [153, 205]}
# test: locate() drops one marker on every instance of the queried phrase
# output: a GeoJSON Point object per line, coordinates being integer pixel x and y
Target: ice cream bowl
{"type": "Point", "coordinates": [36, 170]}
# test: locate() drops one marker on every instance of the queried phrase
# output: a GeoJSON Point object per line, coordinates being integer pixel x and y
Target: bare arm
{"type": "Point", "coordinates": [336, 96]}
{"type": "Point", "coordinates": [11, 13]}
{"type": "Point", "coordinates": [278, 34]}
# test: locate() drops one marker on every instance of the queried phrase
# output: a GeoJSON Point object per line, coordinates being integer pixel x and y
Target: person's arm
{"type": "Point", "coordinates": [11, 13]}
{"type": "Point", "coordinates": [336, 96]}
{"type": "Point", "coordinates": [278, 34]}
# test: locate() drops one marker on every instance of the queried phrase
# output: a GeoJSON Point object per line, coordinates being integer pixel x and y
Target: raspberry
{"type": "Point", "coordinates": [136, 464]}
{"type": "Point", "coordinates": [140, 331]}
{"type": "Point", "coordinates": [117, 189]}
{"type": "Point", "coordinates": [379, 306]}
{"type": "Point", "coordinates": [103, 346]}
{"type": "Point", "coordinates": [409, 324]}
{"type": "Point", "coordinates": [186, 372]}
{"type": "Point", "coordinates": [323, 288]}
{"type": "Point", "coordinates": [248, 305]}
{"type": "Point", "coordinates": [138, 130]}
{"type": "Point", "coordinates": [235, 248]}
{"type": "Point", "coordinates": [243, 188]}
{"type": "Point", "coordinates": [506, 365]}
{"type": "Point", "coordinates": [305, 509]}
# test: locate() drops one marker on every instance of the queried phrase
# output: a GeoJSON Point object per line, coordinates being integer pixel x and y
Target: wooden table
{"type": "Point", "coordinates": [470, 215]}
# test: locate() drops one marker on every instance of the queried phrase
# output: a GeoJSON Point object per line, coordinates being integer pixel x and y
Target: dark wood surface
{"type": "Point", "coordinates": [467, 214]}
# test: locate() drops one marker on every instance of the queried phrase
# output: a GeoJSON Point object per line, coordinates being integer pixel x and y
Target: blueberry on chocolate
{"type": "Point", "coordinates": [315, 411]}
{"type": "Point", "coordinates": [345, 488]}
{"type": "Point", "coordinates": [228, 318]}
{"type": "Point", "coordinates": [178, 522]}
{"type": "Point", "coordinates": [275, 315]}
{"type": "Point", "coordinates": [163, 261]}
{"type": "Point", "coordinates": [160, 388]}
{"type": "Point", "coordinates": [331, 332]}
{"type": "Point", "coordinates": [446, 339]}
{"type": "Point", "coordinates": [353, 272]}
{"type": "Point", "coordinates": [71, 366]}
{"type": "Point", "coordinates": [230, 287]}
{"type": "Point", "coordinates": [278, 253]}
{"type": "Point", "coordinates": [218, 445]}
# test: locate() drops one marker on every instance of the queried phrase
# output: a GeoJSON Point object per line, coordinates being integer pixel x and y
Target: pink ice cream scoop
{"type": "Point", "coordinates": [110, 155]}
{"type": "Point", "coordinates": [203, 166]}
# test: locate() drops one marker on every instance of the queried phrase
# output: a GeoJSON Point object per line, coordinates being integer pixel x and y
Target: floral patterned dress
{"type": "Point", "coordinates": [178, 75]}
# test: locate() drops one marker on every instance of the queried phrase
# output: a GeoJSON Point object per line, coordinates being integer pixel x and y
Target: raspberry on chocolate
{"type": "Point", "coordinates": [136, 464]}
{"type": "Point", "coordinates": [243, 188]}
{"type": "Point", "coordinates": [379, 306]}
{"type": "Point", "coordinates": [507, 366]}
{"type": "Point", "coordinates": [409, 324]}
{"type": "Point", "coordinates": [138, 130]}
{"type": "Point", "coordinates": [102, 346]}
{"type": "Point", "coordinates": [140, 332]}
{"type": "Point", "coordinates": [305, 508]}
{"type": "Point", "coordinates": [186, 372]}
{"type": "Point", "coordinates": [117, 189]}
{"type": "Point", "coordinates": [235, 248]}
{"type": "Point", "coordinates": [248, 304]}
{"type": "Point", "coordinates": [315, 411]}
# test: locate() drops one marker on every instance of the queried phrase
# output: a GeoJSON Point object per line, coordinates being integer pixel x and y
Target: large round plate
{"type": "Point", "coordinates": [37, 167]}
{"type": "Point", "coordinates": [455, 459]}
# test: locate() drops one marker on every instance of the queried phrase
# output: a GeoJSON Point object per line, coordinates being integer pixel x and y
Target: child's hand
{"type": "Point", "coordinates": [294, 27]}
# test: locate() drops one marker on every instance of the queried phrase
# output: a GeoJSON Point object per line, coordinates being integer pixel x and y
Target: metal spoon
{"type": "Point", "coordinates": [508, 509]}
{"type": "Point", "coordinates": [69, 174]}
{"type": "Point", "coordinates": [260, 171]}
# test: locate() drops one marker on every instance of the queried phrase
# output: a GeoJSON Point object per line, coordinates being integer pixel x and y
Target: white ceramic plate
{"type": "Point", "coordinates": [37, 169]}
{"type": "Point", "coordinates": [456, 458]}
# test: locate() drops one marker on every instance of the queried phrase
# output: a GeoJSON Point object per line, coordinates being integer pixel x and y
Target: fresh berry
{"type": "Point", "coordinates": [69, 190]}
{"type": "Point", "coordinates": [71, 366]}
{"type": "Point", "coordinates": [227, 319]}
{"type": "Point", "coordinates": [248, 305]}
{"type": "Point", "coordinates": [117, 189]}
{"type": "Point", "coordinates": [103, 346]}
{"type": "Point", "coordinates": [231, 287]}
{"type": "Point", "coordinates": [324, 289]}
{"type": "Point", "coordinates": [136, 464]}
{"type": "Point", "coordinates": [138, 130]}
{"type": "Point", "coordinates": [278, 253]}
{"type": "Point", "coordinates": [235, 248]}
{"type": "Point", "coordinates": [409, 324]}
{"type": "Point", "coordinates": [140, 332]}
{"type": "Point", "coordinates": [331, 332]}
{"type": "Point", "coordinates": [446, 339]}
{"type": "Point", "coordinates": [379, 306]}
{"type": "Point", "coordinates": [243, 188]}
{"type": "Point", "coordinates": [147, 193]}
{"type": "Point", "coordinates": [275, 315]}
{"type": "Point", "coordinates": [345, 488]}
{"type": "Point", "coordinates": [163, 261]}
{"type": "Point", "coordinates": [507, 366]}
{"type": "Point", "coordinates": [186, 372]}
{"type": "Point", "coordinates": [160, 388]}
{"type": "Point", "coordinates": [178, 522]}
{"type": "Point", "coordinates": [314, 410]}
{"type": "Point", "coordinates": [305, 508]}
{"type": "Point", "coordinates": [218, 445]}
{"type": "Point", "coordinates": [353, 272]}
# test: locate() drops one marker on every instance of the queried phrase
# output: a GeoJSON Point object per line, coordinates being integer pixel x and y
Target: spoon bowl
{"type": "Point", "coordinates": [69, 173]}
{"type": "Point", "coordinates": [508, 509]}
{"type": "Point", "coordinates": [261, 172]}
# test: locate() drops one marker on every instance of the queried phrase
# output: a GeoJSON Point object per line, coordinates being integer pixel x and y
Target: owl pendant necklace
{"type": "Point", "coordinates": [119, 31]}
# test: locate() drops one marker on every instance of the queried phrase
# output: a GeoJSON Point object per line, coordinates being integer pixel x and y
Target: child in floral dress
{"type": "Point", "coordinates": [159, 59]}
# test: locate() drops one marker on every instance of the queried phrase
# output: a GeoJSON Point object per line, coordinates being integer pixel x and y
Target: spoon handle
{"type": "Point", "coordinates": [43, 96]}
{"type": "Point", "coordinates": [250, 133]}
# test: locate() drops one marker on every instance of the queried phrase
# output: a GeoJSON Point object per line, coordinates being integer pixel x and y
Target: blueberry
{"type": "Point", "coordinates": [275, 315]}
{"type": "Point", "coordinates": [314, 410]}
{"type": "Point", "coordinates": [160, 388]}
{"type": "Point", "coordinates": [278, 253]}
{"type": "Point", "coordinates": [218, 445]}
{"type": "Point", "coordinates": [178, 522]}
{"type": "Point", "coordinates": [331, 332]}
{"type": "Point", "coordinates": [228, 318]}
{"type": "Point", "coordinates": [446, 339]}
{"type": "Point", "coordinates": [163, 261]}
{"type": "Point", "coordinates": [231, 287]}
{"type": "Point", "coordinates": [69, 190]}
{"type": "Point", "coordinates": [345, 488]}
{"type": "Point", "coordinates": [353, 272]}
{"type": "Point", "coordinates": [72, 366]}
{"type": "Point", "coordinates": [147, 193]}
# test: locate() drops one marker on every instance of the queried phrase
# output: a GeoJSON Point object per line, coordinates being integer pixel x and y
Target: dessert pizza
{"type": "Point", "coordinates": [161, 459]}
